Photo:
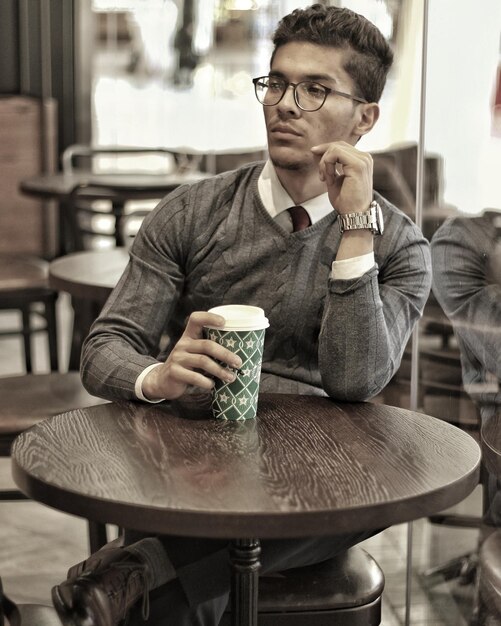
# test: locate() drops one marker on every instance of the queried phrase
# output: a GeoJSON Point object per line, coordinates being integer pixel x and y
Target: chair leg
{"type": "Point", "coordinates": [50, 315]}
{"type": "Point", "coordinates": [98, 536]}
{"type": "Point", "coordinates": [25, 312]}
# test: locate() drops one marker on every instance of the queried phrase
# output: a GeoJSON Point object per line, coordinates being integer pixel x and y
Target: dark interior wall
{"type": "Point", "coordinates": [37, 56]}
{"type": "Point", "coordinates": [9, 47]}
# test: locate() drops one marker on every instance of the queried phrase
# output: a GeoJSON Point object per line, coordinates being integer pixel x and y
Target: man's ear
{"type": "Point", "coordinates": [368, 115]}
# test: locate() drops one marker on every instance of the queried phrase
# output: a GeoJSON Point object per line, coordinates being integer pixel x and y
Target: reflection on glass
{"type": "Point", "coordinates": [467, 283]}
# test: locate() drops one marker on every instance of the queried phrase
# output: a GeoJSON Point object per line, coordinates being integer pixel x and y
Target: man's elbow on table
{"type": "Point", "coordinates": [355, 388]}
{"type": "Point", "coordinates": [96, 374]}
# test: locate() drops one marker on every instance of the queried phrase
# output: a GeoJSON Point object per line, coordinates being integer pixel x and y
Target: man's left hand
{"type": "Point", "coordinates": [347, 172]}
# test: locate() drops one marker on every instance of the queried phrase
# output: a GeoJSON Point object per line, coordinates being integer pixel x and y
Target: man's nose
{"type": "Point", "coordinates": [288, 100]}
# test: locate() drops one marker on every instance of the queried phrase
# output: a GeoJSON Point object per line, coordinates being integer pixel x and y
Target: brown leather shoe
{"type": "Point", "coordinates": [102, 590]}
{"type": "Point", "coordinates": [100, 558]}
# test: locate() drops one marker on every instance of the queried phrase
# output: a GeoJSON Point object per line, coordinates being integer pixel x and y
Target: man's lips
{"type": "Point", "coordinates": [284, 129]}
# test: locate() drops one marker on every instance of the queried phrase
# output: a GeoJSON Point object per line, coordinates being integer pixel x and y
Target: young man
{"type": "Point", "coordinates": [341, 296]}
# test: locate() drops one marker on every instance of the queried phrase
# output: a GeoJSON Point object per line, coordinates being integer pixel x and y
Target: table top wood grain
{"type": "Point", "coordinates": [305, 466]}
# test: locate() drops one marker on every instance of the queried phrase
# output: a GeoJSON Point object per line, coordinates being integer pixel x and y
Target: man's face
{"type": "Point", "coordinates": [292, 131]}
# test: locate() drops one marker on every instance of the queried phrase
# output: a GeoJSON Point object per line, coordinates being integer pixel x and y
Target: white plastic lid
{"type": "Point", "coordinates": [241, 317]}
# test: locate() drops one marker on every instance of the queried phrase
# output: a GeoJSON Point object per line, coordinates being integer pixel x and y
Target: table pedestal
{"type": "Point", "coordinates": [244, 556]}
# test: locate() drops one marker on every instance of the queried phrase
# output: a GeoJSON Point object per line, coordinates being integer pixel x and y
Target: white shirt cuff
{"type": "Point", "coordinates": [352, 268]}
{"type": "Point", "coordinates": [138, 387]}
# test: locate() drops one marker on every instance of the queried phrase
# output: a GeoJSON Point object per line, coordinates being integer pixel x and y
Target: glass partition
{"type": "Point", "coordinates": [460, 342]}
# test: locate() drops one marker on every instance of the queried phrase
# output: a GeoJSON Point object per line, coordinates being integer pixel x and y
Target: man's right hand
{"type": "Point", "coordinates": [191, 362]}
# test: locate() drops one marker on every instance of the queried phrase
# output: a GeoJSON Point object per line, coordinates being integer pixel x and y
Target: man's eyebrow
{"type": "Point", "coordinates": [319, 78]}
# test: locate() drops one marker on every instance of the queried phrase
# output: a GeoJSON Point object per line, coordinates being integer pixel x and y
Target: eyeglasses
{"type": "Point", "coordinates": [308, 95]}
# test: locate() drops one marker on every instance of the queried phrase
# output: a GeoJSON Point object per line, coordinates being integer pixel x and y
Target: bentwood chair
{"type": "Point", "coordinates": [100, 216]}
{"type": "Point", "coordinates": [24, 287]}
{"type": "Point", "coordinates": [343, 591]}
{"type": "Point", "coordinates": [12, 614]}
{"type": "Point", "coordinates": [442, 394]}
{"type": "Point", "coordinates": [489, 580]}
{"type": "Point", "coordinates": [129, 159]}
{"type": "Point", "coordinates": [27, 236]}
{"type": "Point", "coordinates": [109, 211]}
{"type": "Point", "coordinates": [151, 160]}
{"type": "Point", "coordinates": [27, 400]}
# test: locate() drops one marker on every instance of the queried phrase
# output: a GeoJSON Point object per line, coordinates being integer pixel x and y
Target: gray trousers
{"type": "Point", "coordinates": [200, 593]}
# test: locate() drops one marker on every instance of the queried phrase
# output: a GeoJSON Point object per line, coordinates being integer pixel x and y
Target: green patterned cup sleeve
{"type": "Point", "coordinates": [238, 400]}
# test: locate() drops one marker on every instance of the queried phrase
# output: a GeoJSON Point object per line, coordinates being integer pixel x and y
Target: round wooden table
{"type": "Point", "coordinates": [90, 274]}
{"type": "Point", "coordinates": [306, 466]}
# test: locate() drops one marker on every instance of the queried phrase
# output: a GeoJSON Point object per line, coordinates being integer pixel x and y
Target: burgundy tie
{"type": "Point", "coordinates": [300, 218]}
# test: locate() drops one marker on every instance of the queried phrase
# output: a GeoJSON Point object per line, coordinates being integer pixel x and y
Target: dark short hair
{"type": "Point", "coordinates": [371, 57]}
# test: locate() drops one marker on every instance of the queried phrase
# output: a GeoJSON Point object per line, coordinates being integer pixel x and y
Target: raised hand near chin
{"type": "Point", "coordinates": [347, 173]}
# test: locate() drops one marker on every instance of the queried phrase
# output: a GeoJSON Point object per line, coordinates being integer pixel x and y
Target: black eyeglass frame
{"type": "Point", "coordinates": [287, 84]}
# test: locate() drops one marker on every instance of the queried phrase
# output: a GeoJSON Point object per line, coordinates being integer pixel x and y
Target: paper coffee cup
{"type": "Point", "coordinates": [243, 334]}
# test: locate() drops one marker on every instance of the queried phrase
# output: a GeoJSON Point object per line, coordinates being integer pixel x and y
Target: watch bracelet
{"type": "Point", "coordinates": [358, 221]}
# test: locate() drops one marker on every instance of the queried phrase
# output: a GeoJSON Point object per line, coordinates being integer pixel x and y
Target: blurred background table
{"type": "Point", "coordinates": [90, 274]}
{"type": "Point", "coordinates": [89, 277]}
{"type": "Point", "coordinates": [121, 188]}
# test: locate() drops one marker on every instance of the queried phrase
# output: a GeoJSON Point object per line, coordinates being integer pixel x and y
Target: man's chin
{"type": "Point", "coordinates": [289, 162]}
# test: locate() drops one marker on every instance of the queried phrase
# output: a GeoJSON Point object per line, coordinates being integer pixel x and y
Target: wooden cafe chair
{"type": "Point", "coordinates": [442, 395]}
{"type": "Point", "coordinates": [12, 614]}
{"type": "Point", "coordinates": [24, 287]}
{"type": "Point", "coordinates": [343, 591]}
{"type": "Point", "coordinates": [101, 217]}
{"type": "Point", "coordinates": [103, 214]}
{"type": "Point", "coordinates": [128, 159]}
{"type": "Point", "coordinates": [489, 579]}
{"type": "Point", "coordinates": [27, 400]}
{"type": "Point", "coordinates": [27, 239]}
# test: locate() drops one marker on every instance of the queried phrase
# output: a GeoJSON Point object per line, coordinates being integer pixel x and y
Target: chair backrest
{"type": "Point", "coordinates": [101, 217]}
{"type": "Point", "coordinates": [395, 177]}
{"type": "Point", "coordinates": [27, 225]}
{"type": "Point", "coordinates": [129, 159]}
{"type": "Point", "coordinates": [116, 159]}
{"type": "Point", "coordinates": [489, 579]}
{"type": "Point", "coordinates": [12, 614]}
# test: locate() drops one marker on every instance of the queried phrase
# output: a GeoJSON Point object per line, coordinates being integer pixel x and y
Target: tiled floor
{"type": "Point", "coordinates": [37, 544]}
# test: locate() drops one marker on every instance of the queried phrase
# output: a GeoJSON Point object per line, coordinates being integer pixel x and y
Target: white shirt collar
{"type": "Point", "coordinates": [276, 199]}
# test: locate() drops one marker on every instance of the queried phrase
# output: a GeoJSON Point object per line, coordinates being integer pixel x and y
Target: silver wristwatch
{"type": "Point", "coordinates": [372, 220]}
